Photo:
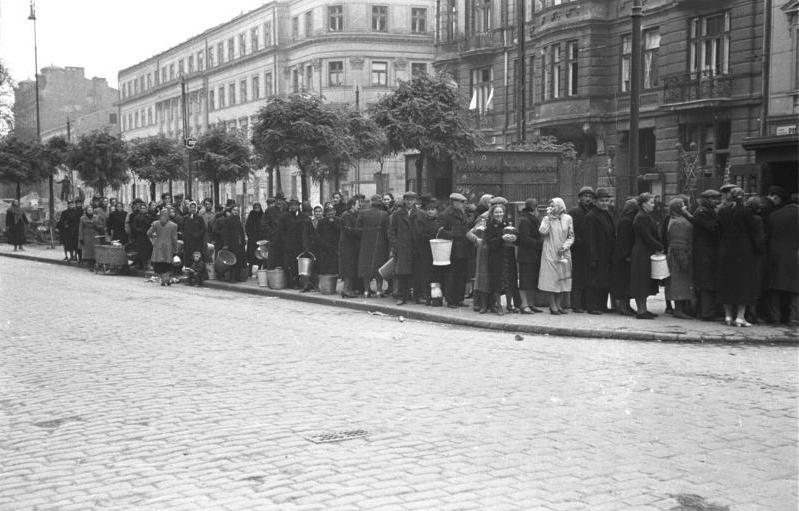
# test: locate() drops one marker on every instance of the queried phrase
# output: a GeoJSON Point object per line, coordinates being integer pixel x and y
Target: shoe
{"type": "Point", "coordinates": [536, 310]}
{"type": "Point", "coordinates": [563, 311]}
{"type": "Point", "coordinates": [525, 310]}
{"type": "Point", "coordinates": [595, 313]}
{"type": "Point", "coordinates": [645, 315]}
{"type": "Point", "coordinates": [728, 321]}
{"type": "Point", "coordinates": [402, 301]}
{"type": "Point", "coordinates": [669, 311]}
{"type": "Point", "coordinates": [483, 310]}
{"type": "Point", "coordinates": [578, 311]}
{"type": "Point", "coordinates": [742, 323]}
{"type": "Point", "coordinates": [500, 312]}
{"type": "Point", "coordinates": [452, 306]}
{"type": "Point", "coordinates": [460, 304]}
{"type": "Point", "coordinates": [681, 315]}
{"type": "Point", "coordinates": [65, 259]}
{"type": "Point", "coordinates": [555, 312]}
{"type": "Point", "coordinates": [347, 295]}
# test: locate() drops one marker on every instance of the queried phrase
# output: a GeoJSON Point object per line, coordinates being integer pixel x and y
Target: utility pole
{"type": "Point", "coordinates": [521, 114]}
{"type": "Point", "coordinates": [635, 92]}
{"type": "Point", "coordinates": [185, 111]}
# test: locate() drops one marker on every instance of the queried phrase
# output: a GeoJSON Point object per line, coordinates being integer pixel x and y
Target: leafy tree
{"type": "Point", "coordinates": [6, 98]}
{"type": "Point", "coordinates": [221, 156]}
{"type": "Point", "coordinates": [20, 162]}
{"type": "Point", "coordinates": [101, 160]}
{"type": "Point", "coordinates": [55, 152]}
{"type": "Point", "coordinates": [157, 159]}
{"type": "Point", "coordinates": [426, 114]}
{"type": "Point", "coordinates": [303, 130]}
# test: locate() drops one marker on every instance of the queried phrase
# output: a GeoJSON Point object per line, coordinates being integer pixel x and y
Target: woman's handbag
{"type": "Point", "coordinates": [387, 270]}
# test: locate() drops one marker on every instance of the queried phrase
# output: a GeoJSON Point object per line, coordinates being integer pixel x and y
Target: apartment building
{"type": "Point", "coordinates": [700, 83]}
{"type": "Point", "coordinates": [348, 53]}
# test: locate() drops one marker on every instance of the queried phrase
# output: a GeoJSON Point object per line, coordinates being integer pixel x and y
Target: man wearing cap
{"type": "Point", "coordinates": [599, 252]}
{"type": "Point", "coordinates": [580, 263]}
{"type": "Point", "coordinates": [68, 230]}
{"type": "Point", "coordinates": [725, 193]}
{"type": "Point", "coordinates": [400, 238]}
{"type": "Point", "coordinates": [372, 225]}
{"type": "Point", "coordinates": [705, 253]}
{"type": "Point", "coordinates": [781, 301]}
{"type": "Point", "coordinates": [290, 241]}
{"type": "Point", "coordinates": [193, 233]}
{"type": "Point", "coordinates": [454, 226]}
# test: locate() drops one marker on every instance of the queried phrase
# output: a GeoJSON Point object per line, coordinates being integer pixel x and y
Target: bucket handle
{"type": "Point", "coordinates": [438, 232]}
{"type": "Point", "coordinates": [306, 252]}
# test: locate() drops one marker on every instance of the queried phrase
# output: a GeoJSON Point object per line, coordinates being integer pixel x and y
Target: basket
{"type": "Point", "coordinates": [225, 259]}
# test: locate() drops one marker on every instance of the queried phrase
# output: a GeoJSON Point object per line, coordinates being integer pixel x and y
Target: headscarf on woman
{"type": "Point", "coordinates": [558, 206]}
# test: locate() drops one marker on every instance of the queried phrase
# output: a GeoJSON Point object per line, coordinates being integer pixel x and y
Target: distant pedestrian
{"type": "Point", "coordinates": [91, 226]}
{"type": "Point", "coordinates": [400, 236]}
{"type": "Point", "coordinates": [647, 242]}
{"type": "Point", "coordinates": [454, 225]}
{"type": "Point", "coordinates": [164, 236]}
{"type": "Point", "coordinates": [348, 248]}
{"type": "Point", "coordinates": [15, 225]}
{"type": "Point", "coordinates": [116, 223]}
{"type": "Point", "coordinates": [579, 250]}
{"type": "Point", "coordinates": [705, 253]}
{"type": "Point", "coordinates": [67, 226]}
{"type": "Point", "coordinates": [600, 243]}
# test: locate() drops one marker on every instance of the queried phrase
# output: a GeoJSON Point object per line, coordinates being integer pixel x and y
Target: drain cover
{"type": "Point", "coordinates": [336, 436]}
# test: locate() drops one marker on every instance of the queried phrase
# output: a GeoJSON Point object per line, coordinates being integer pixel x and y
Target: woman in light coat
{"type": "Point", "coordinates": [90, 226]}
{"type": "Point", "coordinates": [164, 235]}
{"type": "Point", "coordinates": [556, 262]}
{"type": "Point", "coordinates": [679, 240]}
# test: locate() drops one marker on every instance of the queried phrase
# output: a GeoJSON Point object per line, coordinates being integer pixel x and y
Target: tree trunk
{"type": "Point", "coordinates": [216, 191]}
{"type": "Point", "coordinates": [152, 191]}
{"type": "Point", "coordinates": [278, 184]}
{"type": "Point", "coordinates": [303, 182]}
{"type": "Point", "coordinates": [19, 191]}
{"type": "Point", "coordinates": [419, 167]}
{"type": "Point", "coordinates": [270, 181]}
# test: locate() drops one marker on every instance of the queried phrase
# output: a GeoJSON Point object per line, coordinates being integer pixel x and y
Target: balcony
{"type": "Point", "coordinates": [482, 42]}
{"type": "Point", "coordinates": [690, 89]}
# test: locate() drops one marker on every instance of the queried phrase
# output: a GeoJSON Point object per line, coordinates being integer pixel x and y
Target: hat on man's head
{"type": "Point", "coordinates": [710, 194]}
{"type": "Point", "coordinates": [280, 196]}
{"type": "Point", "coordinates": [726, 188]}
{"type": "Point", "coordinates": [586, 190]}
{"type": "Point", "coordinates": [409, 195]}
{"type": "Point", "coordinates": [602, 193]}
{"type": "Point", "coordinates": [294, 200]}
{"type": "Point", "coordinates": [457, 196]}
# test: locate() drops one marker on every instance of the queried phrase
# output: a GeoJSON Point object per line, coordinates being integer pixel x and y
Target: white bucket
{"type": "Point", "coordinates": [262, 280]}
{"type": "Point", "coordinates": [441, 250]}
{"type": "Point", "coordinates": [659, 268]}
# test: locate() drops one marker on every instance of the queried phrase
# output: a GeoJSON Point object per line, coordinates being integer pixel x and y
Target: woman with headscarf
{"type": "Point", "coordinates": [529, 255]}
{"type": "Point", "coordinates": [164, 235]}
{"type": "Point", "coordinates": [705, 253]}
{"type": "Point", "coordinates": [480, 287]}
{"type": "Point", "coordinates": [89, 227]}
{"type": "Point", "coordinates": [741, 240]}
{"type": "Point", "coordinates": [556, 265]}
{"type": "Point", "coordinates": [15, 225]}
{"type": "Point", "coordinates": [620, 271]}
{"type": "Point", "coordinates": [679, 240]}
{"type": "Point", "coordinates": [502, 275]}
{"type": "Point", "coordinates": [647, 242]}
{"type": "Point", "coordinates": [68, 230]}
{"type": "Point", "coordinates": [252, 227]}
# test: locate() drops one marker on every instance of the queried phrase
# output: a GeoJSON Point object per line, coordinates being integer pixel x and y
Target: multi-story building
{"type": "Point", "coordinates": [700, 84]}
{"type": "Point", "coordinates": [347, 52]}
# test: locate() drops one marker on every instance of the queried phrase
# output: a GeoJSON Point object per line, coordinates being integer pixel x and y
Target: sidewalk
{"type": "Point", "coordinates": [664, 328]}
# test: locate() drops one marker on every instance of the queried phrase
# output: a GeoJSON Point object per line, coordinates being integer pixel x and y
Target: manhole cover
{"type": "Point", "coordinates": [336, 436]}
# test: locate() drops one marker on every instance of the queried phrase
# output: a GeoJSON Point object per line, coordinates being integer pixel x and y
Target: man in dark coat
{"type": "Point", "coordinates": [273, 217]}
{"type": "Point", "coordinates": [620, 273]}
{"type": "Point", "coordinates": [290, 241]}
{"type": "Point", "coordinates": [138, 230]}
{"type": "Point", "coordinates": [68, 230]}
{"type": "Point", "coordinates": [599, 251]}
{"type": "Point", "coordinates": [580, 263]}
{"type": "Point", "coordinates": [705, 253]}
{"type": "Point", "coordinates": [193, 234]}
{"type": "Point", "coordinates": [782, 284]}
{"type": "Point", "coordinates": [348, 248]}
{"type": "Point", "coordinates": [231, 232]}
{"type": "Point", "coordinates": [400, 237]}
{"type": "Point", "coordinates": [529, 255]}
{"type": "Point", "coordinates": [372, 227]}
{"type": "Point", "coordinates": [454, 226]}
{"type": "Point", "coordinates": [425, 229]}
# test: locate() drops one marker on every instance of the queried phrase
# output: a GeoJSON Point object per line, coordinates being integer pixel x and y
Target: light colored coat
{"type": "Point", "coordinates": [88, 228]}
{"type": "Point", "coordinates": [558, 233]}
{"type": "Point", "coordinates": [165, 244]}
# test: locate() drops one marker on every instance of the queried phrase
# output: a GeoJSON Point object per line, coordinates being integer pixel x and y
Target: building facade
{"type": "Point", "coordinates": [700, 83]}
{"type": "Point", "coordinates": [348, 53]}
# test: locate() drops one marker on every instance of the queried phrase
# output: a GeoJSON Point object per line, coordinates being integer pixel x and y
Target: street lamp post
{"type": "Point", "coordinates": [32, 17]}
{"type": "Point", "coordinates": [635, 91]}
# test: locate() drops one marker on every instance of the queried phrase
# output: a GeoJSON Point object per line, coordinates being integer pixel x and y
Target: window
{"type": "Point", "coordinates": [572, 53]}
{"type": "Point", "coordinates": [156, 77]}
{"type": "Point", "coordinates": [308, 24]}
{"type": "Point", "coordinates": [149, 116]}
{"type": "Point", "coordinates": [231, 49]}
{"type": "Point", "coordinates": [449, 21]}
{"type": "Point", "coordinates": [267, 84]}
{"type": "Point", "coordinates": [709, 45]}
{"type": "Point", "coordinates": [130, 121]}
{"type": "Point", "coordinates": [268, 34]}
{"type": "Point", "coordinates": [171, 71]}
{"type": "Point", "coordinates": [242, 45]}
{"type": "Point", "coordinates": [200, 60]}
{"type": "Point", "coordinates": [335, 18]}
{"type": "Point", "coordinates": [231, 94]}
{"type": "Point", "coordinates": [418, 21]}
{"type": "Point", "coordinates": [295, 80]}
{"type": "Point", "coordinates": [181, 67]}
{"type": "Point", "coordinates": [254, 39]}
{"type": "Point", "coordinates": [711, 140]}
{"type": "Point", "coordinates": [124, 123]}
{"type": "Point", "coordinates": [626, 59]}
{"type": "Point", "coordinates": [552, 72]}
{"type": "Point", "coordinates": [418, 69]}
{"type": "Point", "coordinates": [210, 57]}
{"type": "Point", "coordinates": [531, 80]}
{"type": "Point", "coordinates": [256, 88]}
{"type": "Point", "coordinates": [335, 73]}
{"type": "Point", "coordinates": [163, 74]}
{"type": "Point", "coordinates": [243, 91]}
{"type": "Point", "coordinates": [379, 73]}
{"type": "Point", "coordinates": [483, 16]}
{"type": "Point", "coordinates": [136, 86]}
{"type": "Point", "coordinates": [651, 48]}
{"type": "Point", "coordinates": [221, 97]}
{"type": "Point", "coordinates": [295, 28]}
{"type": "Point", "coordinates": [135, 119]}
{"type": "Point", "coordinates": [211, 99]}
{"type": "Point", "coordinates": [244, 127]}
{"type": "Point", "coordinates": [220, 53]}
{"type": "Point", "coordinates": [308, 77]}
{"type": "Point", "coordinates": [191, 63]}
{"type": "Point", "coordinates": [379, 18]}
{"type": "Point", "coordinates": [482, 91]}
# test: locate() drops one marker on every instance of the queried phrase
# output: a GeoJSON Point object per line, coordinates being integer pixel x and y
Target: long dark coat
{"type": "Point", "coordinates": [646, 243]}
{"type": "Point", "coordinates": [348, 246]}
{"type": "Point", "coordinates": [116, 225]}
{"type": "Point", "coordinates": [454, 226]}
{"type": "Point", "coordinates": [400, 238]}
{"type": "Point", "coordinates": [138, 230]}
{"type": "Point", "coordinates": [599, 249]}
{"type": "Point", "coordinates": [625, 237]}
{"type": "Point", "coordinates": [68, 228]}
{"type": "Point", "coordinates": [783, 249]}
{"type": "Point", "coordinates": [500, 258]}
{"type": "Point", "coordinates": [254, 230]}
{"type": "Point", "coordinates": [372, 226]}
{"type": "Point", "coordinates": [165, 245]}
{"type": "Point", "coordinates": [291, 228]}
{"type": "Point", "coordinates": [705, 248]}
{"type": "Point", "coordinates": [15, 230]}
{"type": "Point", "coordinates": [529, 254]}
{"type": "Point", "coordinates": [327, 258]}
{"type": "Point", "coordinates": [741, 240]}
{"type": "Point", "coordinates": [231, 236]}
{"type": "Point", "coordinates": [580, 262]}
{"type": "Point", "coordinates": [193, 236]}
{"type": "Point", "coordinates": [272, 219]}
{"type": "Point", "coordinates": [425, 229]}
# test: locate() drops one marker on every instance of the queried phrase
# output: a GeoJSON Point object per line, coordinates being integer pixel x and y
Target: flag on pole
{"type": "Point", "coordinates": [473, 102]}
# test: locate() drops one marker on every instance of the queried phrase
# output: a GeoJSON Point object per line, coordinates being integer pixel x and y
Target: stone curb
{"type": "Point", "coordinates": [433, 317]}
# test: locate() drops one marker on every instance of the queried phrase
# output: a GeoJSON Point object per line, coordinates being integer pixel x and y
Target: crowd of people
{"type": "Point", "coordinates": [730, 257]}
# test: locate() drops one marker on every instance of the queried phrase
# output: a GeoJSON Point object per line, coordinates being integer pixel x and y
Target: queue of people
{"type": "Point", "coordinates": [730, 257]}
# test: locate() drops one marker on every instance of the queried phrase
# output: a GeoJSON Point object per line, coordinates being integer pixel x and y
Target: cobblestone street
{"type": "Point", "coordinates": [120, 394]}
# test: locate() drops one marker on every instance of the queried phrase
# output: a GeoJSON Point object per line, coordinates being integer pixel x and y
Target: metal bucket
{"type": "Point", "coordinates": [276, 279]}
{"type": "Point", "coordinates": [659, 267]}
{"type": "Point", "coordinates": [262, 280]}
{"type": "Point", "coordinates": [305, 265]}
{"type": "Point", "coordinates": [441, 250]}
{"type": "Point", "coordinates": [327, 284]}
{"type": "Point", "coordinates": [225, 260]}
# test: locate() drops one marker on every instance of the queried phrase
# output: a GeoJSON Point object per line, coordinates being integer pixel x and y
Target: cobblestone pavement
{"type": "Point", "coordinates": [119, 394]}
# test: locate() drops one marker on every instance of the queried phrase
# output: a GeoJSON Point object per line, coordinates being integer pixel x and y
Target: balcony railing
{"type": "Point", "coordinates": [686, 87]}
{"type": "Point", "coordinates": [493, 39]}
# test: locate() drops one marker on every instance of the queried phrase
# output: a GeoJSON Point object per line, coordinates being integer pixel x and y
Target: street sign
{"type": "Point", "coordinates": [189, 143]}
